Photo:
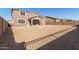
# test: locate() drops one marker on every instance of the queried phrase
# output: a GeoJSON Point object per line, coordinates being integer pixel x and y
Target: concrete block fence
{"type": "Point", "coordinates": [49, 22]}
{"type": "Point", "coordinates": [3, 25]}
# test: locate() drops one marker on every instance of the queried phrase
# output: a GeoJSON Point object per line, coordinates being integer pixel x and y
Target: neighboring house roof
{"type": "Point", "coordinates": [51, 17]}
{"type": "Point", "coordinates": [54, 18]}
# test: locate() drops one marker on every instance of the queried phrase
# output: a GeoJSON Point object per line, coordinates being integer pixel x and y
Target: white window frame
{"type": "Point", "coordinates": [20, 13]}
{"type": "Point", "coordinates": [21, 23]}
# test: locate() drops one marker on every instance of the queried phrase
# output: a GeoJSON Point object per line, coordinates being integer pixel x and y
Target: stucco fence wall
{"type": "Point", "coordinates": [62, 22]}
{"type": "Point", "coordinates": [3, 25]}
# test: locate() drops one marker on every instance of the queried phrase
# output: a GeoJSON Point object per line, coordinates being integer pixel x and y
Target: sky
{"type": "Point", "coordinates": [67, 13]}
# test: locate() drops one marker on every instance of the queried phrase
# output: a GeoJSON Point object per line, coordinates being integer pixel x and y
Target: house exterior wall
{"type": "Point", "coordinates": [41, 20]}
{"type": "Point", "coordinates": [44, 21]}
{"type": "Point", "coordinates": [16, 15]}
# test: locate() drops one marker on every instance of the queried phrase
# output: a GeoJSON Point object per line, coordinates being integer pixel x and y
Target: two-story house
{"type": "Point", "coordinates": [24, 18]}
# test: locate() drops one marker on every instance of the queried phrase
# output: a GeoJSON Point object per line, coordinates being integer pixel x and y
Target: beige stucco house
{"type": "Point", "coordinates": [26, 18]}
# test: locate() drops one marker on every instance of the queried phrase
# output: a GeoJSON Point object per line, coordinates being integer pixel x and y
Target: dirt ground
{"type": "Point", "coordinates": [25, 34]}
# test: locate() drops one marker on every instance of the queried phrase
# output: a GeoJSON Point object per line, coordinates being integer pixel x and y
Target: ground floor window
{"type": "Point", "coordinates": [36, 22]}
{"type": "Point", "coordinates": [21, 21]}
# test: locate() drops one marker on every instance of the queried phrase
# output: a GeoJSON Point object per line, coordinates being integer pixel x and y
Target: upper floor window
{"type": "Point", "coordinates": [22, 13]}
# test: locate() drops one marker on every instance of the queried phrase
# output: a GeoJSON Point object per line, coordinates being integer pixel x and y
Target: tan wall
{"type": "Point", "coordinates": [51, 22]}
{"type": "Point", "coordinates": [76, 22]}
{"type": "Point", "coordinates": [0, 26]}
{"type": "Point", "coordinates": [16, 15]}
{"type": "Point", "coordinates": [3, 25]}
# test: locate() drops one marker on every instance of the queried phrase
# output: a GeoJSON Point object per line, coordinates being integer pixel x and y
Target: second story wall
{"type": "Point", "coordinates": [25, 15]}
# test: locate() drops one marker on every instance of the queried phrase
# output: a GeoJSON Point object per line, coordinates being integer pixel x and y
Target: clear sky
{"type": "Point", "coordinates": [69, 13]}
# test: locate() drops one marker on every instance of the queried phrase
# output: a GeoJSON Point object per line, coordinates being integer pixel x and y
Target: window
{"type": "Point", "coordinates": [22, 13]}
{"type": "Point", "coordinates": [21, 21]}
